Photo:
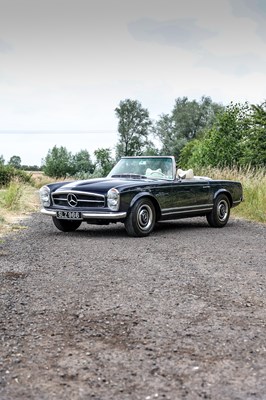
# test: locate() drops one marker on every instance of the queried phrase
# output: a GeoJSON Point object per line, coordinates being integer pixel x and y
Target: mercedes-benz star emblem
{"type": "Point", "coordinates": [72, 200]}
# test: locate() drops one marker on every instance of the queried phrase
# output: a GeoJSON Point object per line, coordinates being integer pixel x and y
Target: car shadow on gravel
{"type": "Point", "coordinates": [118, 230]}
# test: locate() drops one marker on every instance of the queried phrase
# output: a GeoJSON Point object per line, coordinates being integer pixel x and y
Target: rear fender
{"type": "Point", "coordinates": [223, 191]}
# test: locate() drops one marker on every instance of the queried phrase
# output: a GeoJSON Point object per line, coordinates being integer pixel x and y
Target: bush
{"type": "Point", "coordinates": [8, 173]}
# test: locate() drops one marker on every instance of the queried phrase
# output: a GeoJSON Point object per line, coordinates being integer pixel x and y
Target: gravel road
{"type": "Point", "coordinates": [96, 314]}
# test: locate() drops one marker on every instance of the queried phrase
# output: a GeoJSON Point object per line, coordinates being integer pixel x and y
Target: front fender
{"type": "Point", "coordinates": [148, 196]}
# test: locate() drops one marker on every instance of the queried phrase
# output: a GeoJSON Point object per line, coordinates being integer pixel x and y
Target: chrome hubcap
{"type": "Point", "coordinates": [223, 210]}
{"type": "Point", "coordinates": [145, 217]}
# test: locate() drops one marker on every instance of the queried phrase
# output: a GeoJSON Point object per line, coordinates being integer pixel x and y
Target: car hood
{"type": "Point", "coordinates": [102, 185]}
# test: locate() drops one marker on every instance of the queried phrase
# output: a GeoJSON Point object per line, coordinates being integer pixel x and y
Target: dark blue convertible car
{"type": "Point", "coordinates": [140, 191]}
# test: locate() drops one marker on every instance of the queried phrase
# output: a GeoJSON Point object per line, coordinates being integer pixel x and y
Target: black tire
{"type": "Point", "coordinates": [66, 225]}
{"type": "Point", "coordinates": [220, 213]}
{"type": "Point", "coordinates": [141, 219]}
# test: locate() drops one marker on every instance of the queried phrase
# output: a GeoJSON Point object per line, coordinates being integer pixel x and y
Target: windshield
{"type": "Point", "coordinates": [144, 167]}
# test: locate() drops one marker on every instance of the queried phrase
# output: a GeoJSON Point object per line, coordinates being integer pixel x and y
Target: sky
{"type": "Point", "coordinates": [66, 64]}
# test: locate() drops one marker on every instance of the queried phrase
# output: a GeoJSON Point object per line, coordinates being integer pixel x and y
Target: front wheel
{"type": "Point", "coordinates": [141, 219]}
{"type": "Point", "coordinates": [220, 213]}
{"type": "Point", "coordinates": [66, 225]}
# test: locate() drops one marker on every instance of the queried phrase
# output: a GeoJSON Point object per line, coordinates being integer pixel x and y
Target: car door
{"type": "Point", "coordinates": [186, 197]}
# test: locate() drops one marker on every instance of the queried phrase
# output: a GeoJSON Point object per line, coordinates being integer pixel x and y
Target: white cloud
{"type": "Point", "coordinates": [182, 33]}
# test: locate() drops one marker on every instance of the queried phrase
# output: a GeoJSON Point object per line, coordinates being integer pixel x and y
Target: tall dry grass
{"type": "Point", "coordinates": [16, 202]}
{"type": "Point", "coordinates": [39, 179]}
{"type": "Point", "coordinates": [12, 195]}
{"type": "Point", "coordinates": [254, 187]}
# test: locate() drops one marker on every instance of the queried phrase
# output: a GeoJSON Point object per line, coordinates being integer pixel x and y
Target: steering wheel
{"type": "Point", "coordinates": [158, 173]}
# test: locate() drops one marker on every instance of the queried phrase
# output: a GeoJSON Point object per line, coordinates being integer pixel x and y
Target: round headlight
{"type": "Point", "coordinates": [45, 196]}
{"type": "Point", "coordinates": [113, 199]}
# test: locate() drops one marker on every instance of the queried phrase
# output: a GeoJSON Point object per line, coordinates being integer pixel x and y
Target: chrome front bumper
{"type": "Point", "coordinates": [92, 215]}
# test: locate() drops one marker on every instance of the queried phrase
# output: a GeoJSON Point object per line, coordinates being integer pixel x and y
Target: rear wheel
{"type": "Point", "coordinates": [66, 225]}
{"type": "Point", "coordinates": [220, 213]}
{"type": "Point", "coordinates": [141, 220]}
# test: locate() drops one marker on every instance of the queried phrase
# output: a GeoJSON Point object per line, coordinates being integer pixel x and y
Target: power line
{"type": "Point", "coordinates": [61, 132]}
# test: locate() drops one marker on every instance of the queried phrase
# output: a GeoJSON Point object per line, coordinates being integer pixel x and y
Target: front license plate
{"type": "Point", "coordinates": [68, 215]}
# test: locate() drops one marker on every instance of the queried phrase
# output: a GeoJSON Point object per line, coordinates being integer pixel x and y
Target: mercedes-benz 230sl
{"type": "Point", "coordinates": [139, 192]}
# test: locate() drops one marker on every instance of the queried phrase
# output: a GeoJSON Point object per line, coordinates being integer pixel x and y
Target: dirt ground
{"type": "Point", "coordinates": [95, 314]}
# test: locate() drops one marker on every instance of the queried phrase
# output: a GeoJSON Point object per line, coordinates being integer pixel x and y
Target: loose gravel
{"type": "Point", "coordinates": [96, 314]}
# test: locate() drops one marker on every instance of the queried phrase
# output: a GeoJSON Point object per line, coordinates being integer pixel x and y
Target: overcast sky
{"type": "Point", "coordinates": [66, 64]}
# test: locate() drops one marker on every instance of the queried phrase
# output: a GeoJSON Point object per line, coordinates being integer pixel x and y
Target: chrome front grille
{"type": "Point", "coordinates": [76, 199]}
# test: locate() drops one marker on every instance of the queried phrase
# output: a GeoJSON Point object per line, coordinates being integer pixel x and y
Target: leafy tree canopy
{"type": "Point", "coordinates": [15, 161]}
{"type": "Point", "coordinates": [133, 128]}
{"type": "Point", "coordinates": [255, 144]}
{"type": "Point", "coordinates": [237, 138]}
{"type": "Point", "coordinates": [58, 162]}
{"type": "Point", "coordinates": [82, 163]}
{"type": "Point", "coordinates": [104, 161]}
{"type": "Point", "coordinates": [186, 122]}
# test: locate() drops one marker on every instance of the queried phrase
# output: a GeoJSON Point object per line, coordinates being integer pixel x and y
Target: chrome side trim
{"type": "Point", "coordinates": [91, 215]}
{"type": "Point", "coordinates": [192, 209]}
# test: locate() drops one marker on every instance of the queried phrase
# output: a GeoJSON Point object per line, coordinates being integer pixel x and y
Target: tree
{"type": "Point", "coordinates": [133, 128]}
{"type": "Point", "coordinates": [2, 160]}
{"type": "Point", "coordinates": [104, 161]}
{"type": "Point", "coordinates": [82, 163]}
{"type": "Point", "coordinates": [191, 117]}
{"type": "Point", "coordinates": [187, 121]}
{"type": "Point", "coordinates": [30, 168]}
{"type": "Point", "coordinates": [172, 140]}
{"type": "Point", "coordinates": [58, 162]}
{"type": "Point", "coordinates": [222, 144]}
{"type": "Point", "coordinates": [255, 143]}
{"type": "Point", "coordinates": [190, 155]}
{"type": "Point", "coordinates": [151, 150]}
{"type": "Point", "coordinates": [15, 161]}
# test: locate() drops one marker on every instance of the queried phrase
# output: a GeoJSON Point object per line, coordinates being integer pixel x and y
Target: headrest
{"type": "Point", "coordinates": [188, 174]}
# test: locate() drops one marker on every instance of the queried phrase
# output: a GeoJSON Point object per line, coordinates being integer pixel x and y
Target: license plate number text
{"type": "Point", "coordinates": [68, 215]}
